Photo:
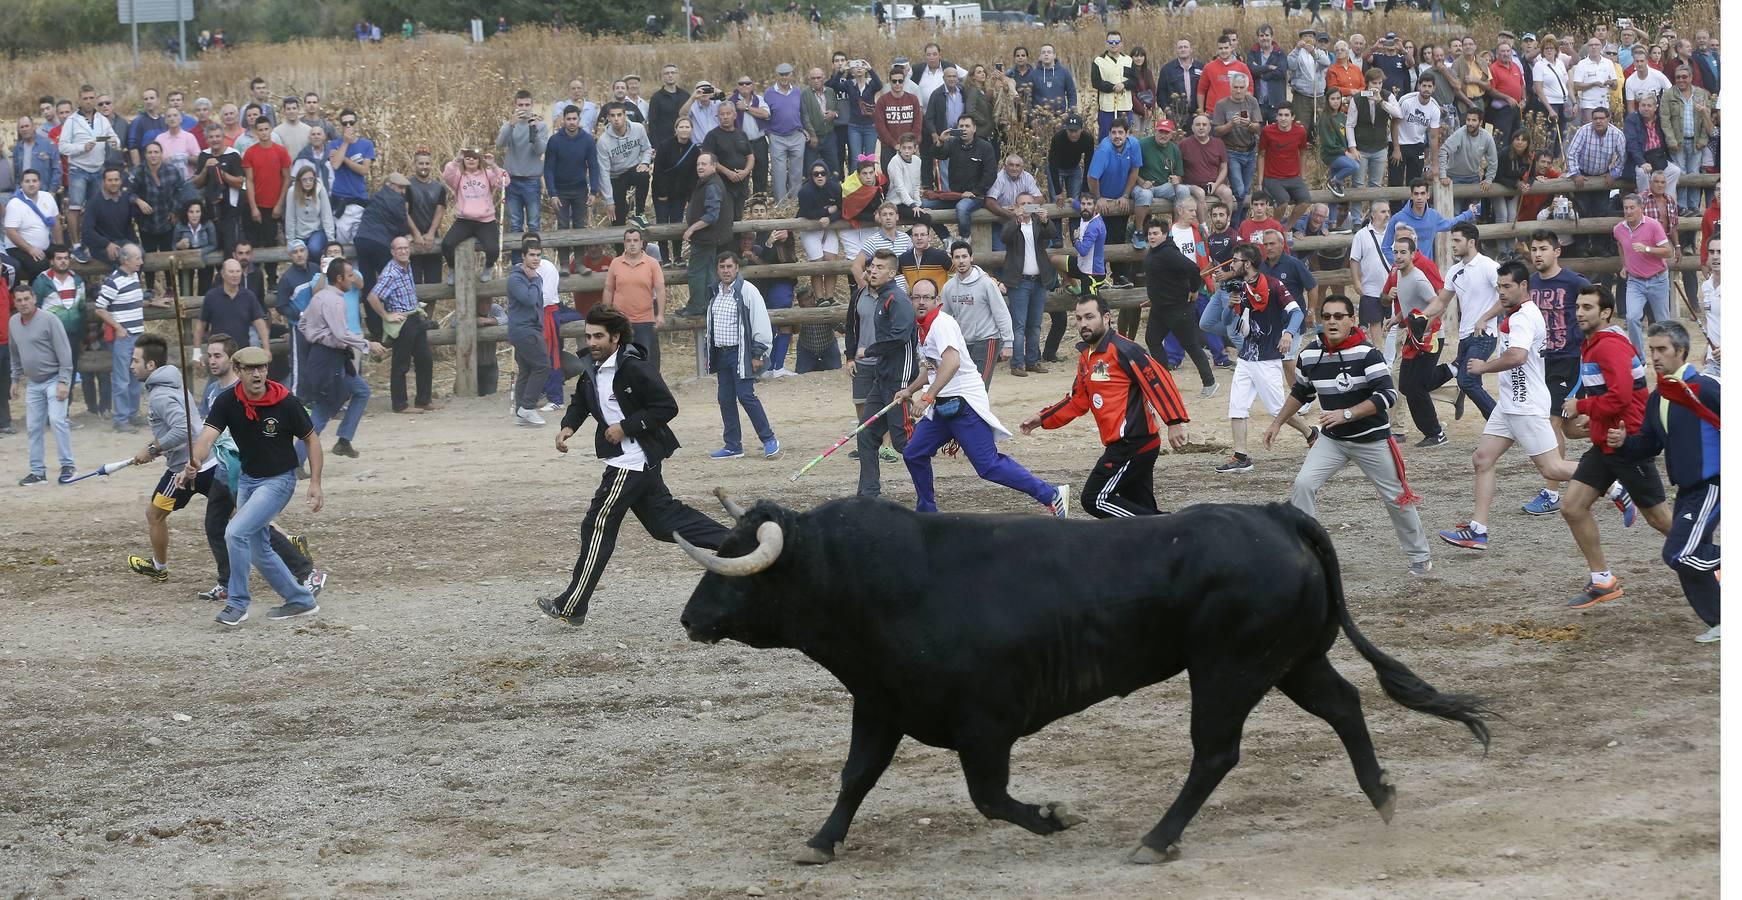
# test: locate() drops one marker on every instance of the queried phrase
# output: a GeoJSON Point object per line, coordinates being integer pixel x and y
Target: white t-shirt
{"type": "Point", "coordinates": [1713, 298]}
{"type": "Point", "coordinates": [633, 457]}
{"type": "Point", "coordinates": [1598, 72]}
{"type": "Point", "coordinates": [1417, 117]}
{"type": "Point", "coordinates": [29, 225]}
{"type": "Point", "coordinates": [547, 281]}
{"type": "Point", "coordinates": [944, 334]}
{"type": "Point", "coordinates": [1553, 78]}
{"type": "Point", "coordinates": [1185, 237]}
{"type": "Point", "coordinates": [1522, 388]}
{"type": "Point", "coordinates": [1651, 85]}
{"type": "Point", "coordinates": [1365, 251]}
{"type": "Point", "coordinates": [1477, 284]}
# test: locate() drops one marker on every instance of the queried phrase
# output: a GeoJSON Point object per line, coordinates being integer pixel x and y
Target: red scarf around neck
{"type": "Point", "coordinates": [275, 392]}
{"type": "Point", "coordinates": [1356, 336]}
{"type": "Point", "coordinates": [1257, 293]}
{"type": "Point", "coordinates": [926, 320]}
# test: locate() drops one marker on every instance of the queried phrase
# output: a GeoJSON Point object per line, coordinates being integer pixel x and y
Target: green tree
{"type": "Point", "coordinates": [1536, 15]}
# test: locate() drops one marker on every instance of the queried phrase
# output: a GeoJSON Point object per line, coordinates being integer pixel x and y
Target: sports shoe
{"type": "Point", "coordinates": [771, 448]}
{"type": "Point", "coordinates": [1119, 281]}
{"type": "Point", "coordinates": [217, 594]}
{"type": "Point", "coordinates": [1595, 593]}
{"type": "Point", "coordinates": [1543, 504]}
{"type": "Point", "coordinates": [854, 454]}
{"type": "Point", "coordinates": [549, 407]}
{"type": "Point", "coordinates": [1335, 187]}
{"type": "Point", "coordinates": [486, 275]}
{"type": "Point", "coordinates": [1237, 463]}
{"type": "Point", "coordinates": [548, 607]}
{"type": "Point", "coordinates": [67, 473]}
{"type": "Point", "coordinates": [125, 428]}
{"type": "Point", "coordinates": [1624, 501]}
{"type": "Point", "coordinates": [1709, 636]}
{"type": "Point", "coordinates": [147, 568]}
{"type": "Point", "coordinates": [1061, 502]}
{"type": "Point", "coordinates": [232, 615]}
{"type": "Point", "coordinates": [1421, 569]}
{"type": "Point", "coordinates": [32, 480]}
{"type": "Point", "coordinates": [343, 448]}
{"type": "Point", "coordinates": [888, 454]}
{"type": "Point", "coordinates": [1209, 390]}
{"type": "Point", "coordinates": [293, 611]}
{"type": "Point", "coordinates": [1462, 535]}
{"type": "Point", "coordinates": [80, 254]}
{"type": "Point", "coordinates": [315, 581]}
{"type": "Point", "coordinates": [723, 453]}
{"type": "Point", "coordinates": [1139, 241]}
{"type": "Point", "coordinates": [1433, 440]}
{"type": "Point", "coordinates": [529, 417]}
{"type": "Point", "coordinates": [300, 542]}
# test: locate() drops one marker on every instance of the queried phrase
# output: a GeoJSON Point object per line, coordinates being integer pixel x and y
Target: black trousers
{"type": "Point", "coordinates": [409, 349]}
{"type": "Point", "coordinates": [759, 171]}
{"type": "Point", "coordinates": [1122, 486]}
{"type": "Point", "coordinates": [620, 493]}
{"type": "Point", "coordinates": [1180, 320]}
{"type": "Point", "coordinates": [1055, 334]}
{"type": "Point", "coordinates": [1421, 374]}
{"type": "Point", "coordinates": [884, 384]}
{"type": "Point", "coordinates": [485, 232]}
{"type": "Point", "coordinates": [220, 505]}
{"type": "Point", "coordinates": [621, 187]}
{"type": "Point", "coordinates": [1690, 551]}
{"type": "Point", "coordinates": [372, 257]}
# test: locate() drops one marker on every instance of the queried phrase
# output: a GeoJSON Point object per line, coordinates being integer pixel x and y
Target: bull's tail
{"type": "Point", "coordinates": [1399, 683]}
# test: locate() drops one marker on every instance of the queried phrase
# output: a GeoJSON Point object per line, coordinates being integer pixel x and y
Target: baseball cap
{"type": "Point", "coordinates": [1390, 36]}
{"type": "Point", "coordinates": [1306, 32]}
{"type": "Point", "coordinates": [704, 84]}
{"type": "Point", "coordinates": [1530, 35]}
{"type": "Point", "coordinates": [1165, 125]}
{"type": "Point", "coordinates": [296, 244]}
{"type": "Point", "coordinates": [783, 69]}
{"type": "Point", "coordinates": [1073, 122]}
{"type": "Point", "coordinates": [251, 356]}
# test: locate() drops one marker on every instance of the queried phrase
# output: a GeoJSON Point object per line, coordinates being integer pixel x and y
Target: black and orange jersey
{"type": "Point", "coordinates": [1118, 380]}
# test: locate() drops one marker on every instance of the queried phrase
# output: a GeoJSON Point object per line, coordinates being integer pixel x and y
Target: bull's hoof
{"type": "Point", "coordinates": [811, 856]}
{"type": "Point", "coordinates": [1061, 813]}
{"type": "Point", "coordinates": [1387, 804]}
{"type": "Point", "coordinates": [1146, 855]}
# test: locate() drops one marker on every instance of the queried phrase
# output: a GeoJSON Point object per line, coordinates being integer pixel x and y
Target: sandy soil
{"type": "Point", "coordinates": [432, 734]}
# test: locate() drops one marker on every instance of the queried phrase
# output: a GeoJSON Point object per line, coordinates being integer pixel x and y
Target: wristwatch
{"type": "Point", "coordinates": [1347, 415]}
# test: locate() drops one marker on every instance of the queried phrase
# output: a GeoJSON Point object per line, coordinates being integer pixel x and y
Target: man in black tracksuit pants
{"type": "Point", "coordinates": [1172, 280]}
{"type": "Point", "coordinates": [886, 310]}
{"type": "Point", "coordinates": [633, 408]}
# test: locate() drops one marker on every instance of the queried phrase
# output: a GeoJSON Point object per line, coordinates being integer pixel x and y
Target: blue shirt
{"type": "Point", "coordinates": [1558, 298]}
{"type": "Point", "coordinates": [1293, 274]}
{"type": "Point", "coordinates": [1427, 226]}
{"type": "Point", "coordinates": [1113, 167]}
{"type": "Point", "coordinates": [347, 183]}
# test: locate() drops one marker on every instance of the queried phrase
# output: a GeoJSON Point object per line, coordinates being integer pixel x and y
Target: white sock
{"type": "Point", "coordinates": [1601, 577]}
{"type": "Point", "coordinates": [1614, 491]}
{"type": "Point", "coordinates": [1478, 527]}
{"type": "Point", "coordinates": [160, 565]}
{"type": "Point", "coordinates": [1554, 495]}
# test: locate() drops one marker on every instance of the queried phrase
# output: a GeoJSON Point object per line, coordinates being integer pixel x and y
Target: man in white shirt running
{"type": "Point", "coordinates": [1474, 280]}
{"type": "Point", "coordinates": [1711, 297]}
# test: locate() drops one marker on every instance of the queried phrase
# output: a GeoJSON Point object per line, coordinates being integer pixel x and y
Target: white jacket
{"type": "Point", "coordinates": [77, 131]}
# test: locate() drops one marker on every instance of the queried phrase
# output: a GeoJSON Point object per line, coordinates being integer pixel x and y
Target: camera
{"type": "Point", "coordinates": [706, 89]}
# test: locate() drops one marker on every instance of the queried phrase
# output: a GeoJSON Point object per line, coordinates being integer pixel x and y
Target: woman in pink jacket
{"type": "Point", "coordinates": [477, 185]}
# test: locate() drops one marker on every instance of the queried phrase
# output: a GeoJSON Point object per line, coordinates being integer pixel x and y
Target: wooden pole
{"type": "Point", "coordinates": [466, 319]}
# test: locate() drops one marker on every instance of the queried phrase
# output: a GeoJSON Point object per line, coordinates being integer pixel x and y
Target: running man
{"type": "Point", "coordinates": [1555, 291]}
{"type": "Point", "coordinates": [166, 412]}
{"type": "Point", "coordinates": [1118, 381]}
{"type": "Point", "coordinates": [1269, 319]}
{"type": "Point", "coordinates": [951, 404]}
{"type": "Point", "coordinates": [1356, 394]}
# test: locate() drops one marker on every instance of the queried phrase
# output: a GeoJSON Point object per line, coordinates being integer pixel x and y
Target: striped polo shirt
{"type": "Point", "coordinates": [897, 245]}
{"type": "Point", "coordinates": [1342, 379]}
{"type": "Point", "coordinates": [124, 297]}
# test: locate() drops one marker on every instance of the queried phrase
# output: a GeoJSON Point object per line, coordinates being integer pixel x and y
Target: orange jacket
{"type": "Point", "coordinates": [1118, 380]}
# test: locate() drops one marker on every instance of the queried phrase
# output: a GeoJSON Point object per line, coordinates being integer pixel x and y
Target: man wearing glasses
{"type": "Point", "coordinates": [85, 137]}
{"type": "Point", "coordinates": [898, 113]}
{"type": "Point", "coordinates": [394, 299]}
{"type": "Point", "coordinates": [1113, 80]}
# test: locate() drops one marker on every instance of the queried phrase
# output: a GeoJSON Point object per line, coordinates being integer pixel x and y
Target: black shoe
{"type": "Point", "coordinates": [344, 448]}
{"type": "Point", "coordinates": [1433, 440]}
{"type": "Point", "coordinates": [293, 611]}
{"type": "Point", "coordinates": [67, 473]}
{"type": "Point", "coordinates": [548, 607]}
{"type": "Point", "coordinates": [32, 480]}
{"type": "Point", "coordinates": [1458, 407]}
{"type": "Point", "coordinates": [693, 311]}
{"type": "Point", "coordinates": [8, 429]}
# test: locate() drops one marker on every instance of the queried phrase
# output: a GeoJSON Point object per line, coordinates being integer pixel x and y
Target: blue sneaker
{"type": "Point", "coordinates": [1624, 501]}
{"type": "Point", "coordinates": [724, 453]}
{"type": "Point", "coordinates": [770, 449]}
{"type": "Point", "coordinates": [1139, 241]}
{"type": "Point", "coordinates": [1464, 536]}
{"type": "Point", "coordinates": [1543, 504]}
{"type": "Point", "coordinates": [233, 615]}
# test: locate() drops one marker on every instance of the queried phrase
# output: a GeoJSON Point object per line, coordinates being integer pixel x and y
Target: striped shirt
{"type": "Point", "coordinates": [897, 245]}
{"type": "Point", "coordinates": [124, 297]}
{"type": "Point", "coordinates": [1342, 379]}
{"type": "Point", "coordinates": [396, 289]}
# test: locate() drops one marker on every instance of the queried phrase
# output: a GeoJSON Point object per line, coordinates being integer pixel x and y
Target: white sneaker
{"type": "Point", "coordinates": [1709, 636]}
{"type": "Point", "coordinates": [549, 407]}
{"type": "Point", "coordinates": [486, 275]}
{"type": "Point", "coordinates": [529, 417]}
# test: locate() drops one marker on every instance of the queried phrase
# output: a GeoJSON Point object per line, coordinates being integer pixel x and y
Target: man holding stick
{"type": "Point", "coordinates": [167, 414]}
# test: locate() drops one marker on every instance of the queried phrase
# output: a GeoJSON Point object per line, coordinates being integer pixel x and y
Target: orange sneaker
{"type": "Point", "coordinates": [1596, 593]}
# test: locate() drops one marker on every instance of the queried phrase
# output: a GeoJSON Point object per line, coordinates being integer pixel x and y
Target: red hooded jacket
{"type": "Point", "coordinates": [1612, 387]}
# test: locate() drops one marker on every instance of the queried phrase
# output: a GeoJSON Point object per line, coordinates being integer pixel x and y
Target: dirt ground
{"type": "Point", "coordinates": [431, 734]}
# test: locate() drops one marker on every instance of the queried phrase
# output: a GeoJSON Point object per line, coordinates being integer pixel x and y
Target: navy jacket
{"type": "Point", "coordinates": [1689, 445]}
{"type": "Point", "coordinates": [571, 165]}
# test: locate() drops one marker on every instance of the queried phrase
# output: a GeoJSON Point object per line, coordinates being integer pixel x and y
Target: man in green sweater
{"type": "Point", "coordinates": [1163, 169]}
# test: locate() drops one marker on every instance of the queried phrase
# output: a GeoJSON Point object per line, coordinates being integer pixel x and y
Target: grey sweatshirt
{"type": "Point", "coordinates": [523, 143]}
{"type": "Point", "coordinates": [620, 154]}
{"type": "Point", "coordinates": [525, 305]}
{"type": "Point", "coordinates": [978, 306]}
{"type": "Point", "coordinates": [167, 415]}
{"type": "Point", "coordinates": [1463, 156]}
{"type": "Point", "coordinates": [40, 350]}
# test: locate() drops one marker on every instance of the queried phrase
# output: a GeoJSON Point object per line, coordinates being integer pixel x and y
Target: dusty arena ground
{"type": "Point", "coordinates": [431, 734]}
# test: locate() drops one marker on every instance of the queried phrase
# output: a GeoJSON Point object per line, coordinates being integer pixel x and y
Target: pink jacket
{"type": "Point", "coordinates": [475, 193]}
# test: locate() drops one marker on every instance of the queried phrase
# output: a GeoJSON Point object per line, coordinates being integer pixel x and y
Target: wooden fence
{"type": "Point", "coordinates": [465, 333]}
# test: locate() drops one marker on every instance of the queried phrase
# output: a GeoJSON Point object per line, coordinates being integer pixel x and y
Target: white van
{"type": "Point", "coordinates": [949, 15]}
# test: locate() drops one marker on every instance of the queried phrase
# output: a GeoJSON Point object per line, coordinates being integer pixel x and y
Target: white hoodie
{"type": "Point", "coordinates": [978, 307]}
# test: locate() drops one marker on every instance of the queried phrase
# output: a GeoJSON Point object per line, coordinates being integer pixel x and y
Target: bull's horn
{"type": "Point", "coordinates": [769, 542]}
{"type": "Point", "coordinates": [732, 509]}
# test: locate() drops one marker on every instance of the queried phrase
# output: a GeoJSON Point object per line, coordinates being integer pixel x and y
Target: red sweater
{"type": "Point", "coordinates": [1611, 384]}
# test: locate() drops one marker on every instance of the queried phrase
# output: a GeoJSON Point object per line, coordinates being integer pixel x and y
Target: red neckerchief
{"type": "Point", "coordinates": [1686, 395]}
{"type": "Point", "coordinates": [275, 392]}
{"type": "Point", "coordinates": [1257, 293]}
{"type": "Point", "coordinates": [926, 320]}
{"type": "Point", "coordinates": [1355, 337]}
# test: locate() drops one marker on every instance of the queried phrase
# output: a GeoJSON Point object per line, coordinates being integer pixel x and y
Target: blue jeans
{"type": "Point", "coordinates": [41, 410]}
{"type": "Point", "coordinates": [1217, 321]}
{"type": "Point", "coordinates": [732, 392]}
{"type": "Point", "coordinates": [124, 389]}
{"type": "Point", "coordinates": [248, 538]}
{"type": "Point", "coordinates": [1476, 346]}
{"type": "Point", "coordinates": [354, 408]}
{"type": "Point", "coordinates": [1027, 308]}
{"type": "Point", "coordinates": [522, 200]}
{"type": "Point", "coordinates": [1342, 169]}
{"type": "Point", "coordinates": [1642, 291]}
{"type": "Point", "coordinates": [1065, 185]}
{"type": "Point", "coordinates": [316, 241]}
{"type": "Point", "coordinates": [979, 444]}
{"type": "Point", "coordinates": [82, 186]}
{"type": "Point", "coordinates": [1242, 167]}
{"type": "Point", "coordinates": [1688, 159]}
{"type": "Point", "coordinates": [964, 211]}
{"type": "Point", "coordinates": [861, 140]}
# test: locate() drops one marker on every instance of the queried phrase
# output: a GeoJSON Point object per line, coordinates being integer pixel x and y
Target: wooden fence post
{"type": "Point", "coordinates": [466, 319]}
{"type": "Point", "coordinates": [1441, 196]}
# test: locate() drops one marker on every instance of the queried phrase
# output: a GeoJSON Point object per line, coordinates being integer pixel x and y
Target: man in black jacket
{"type": "Point", "coordinates": [1172, 281]}
{"type": "Point", "coordinates": [971, 166]}
{"type": "Point", "coordinates": [633, 409]}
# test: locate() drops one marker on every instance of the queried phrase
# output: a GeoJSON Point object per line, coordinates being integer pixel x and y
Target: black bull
{"type": "Point", "coordinates": [971, 631]}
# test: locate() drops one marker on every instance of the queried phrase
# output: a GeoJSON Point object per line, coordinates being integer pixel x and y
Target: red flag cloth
{"type": "Point", "coordinates": [1408, 496]}
{"type": "Point", "coordinates": [1681, 393]}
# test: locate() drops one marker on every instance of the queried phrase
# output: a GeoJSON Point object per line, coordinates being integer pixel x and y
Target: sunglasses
{"type": "Point", "coordinates": [820, 173]}
{"type": "Point", "coordinates": [1336, 317]}
{"type": "Point", "coordinates": [897, 81]}
{"type": "Point", "coordinates": [348, 123]}
{"type": "Point", "coordinates": [1113, 42]}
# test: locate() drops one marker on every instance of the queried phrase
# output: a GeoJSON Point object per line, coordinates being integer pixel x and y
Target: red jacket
{"type": "Point", "coordinates": [1612, 387]}
{"type": "Point", "coordinates": [1118, 380]}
